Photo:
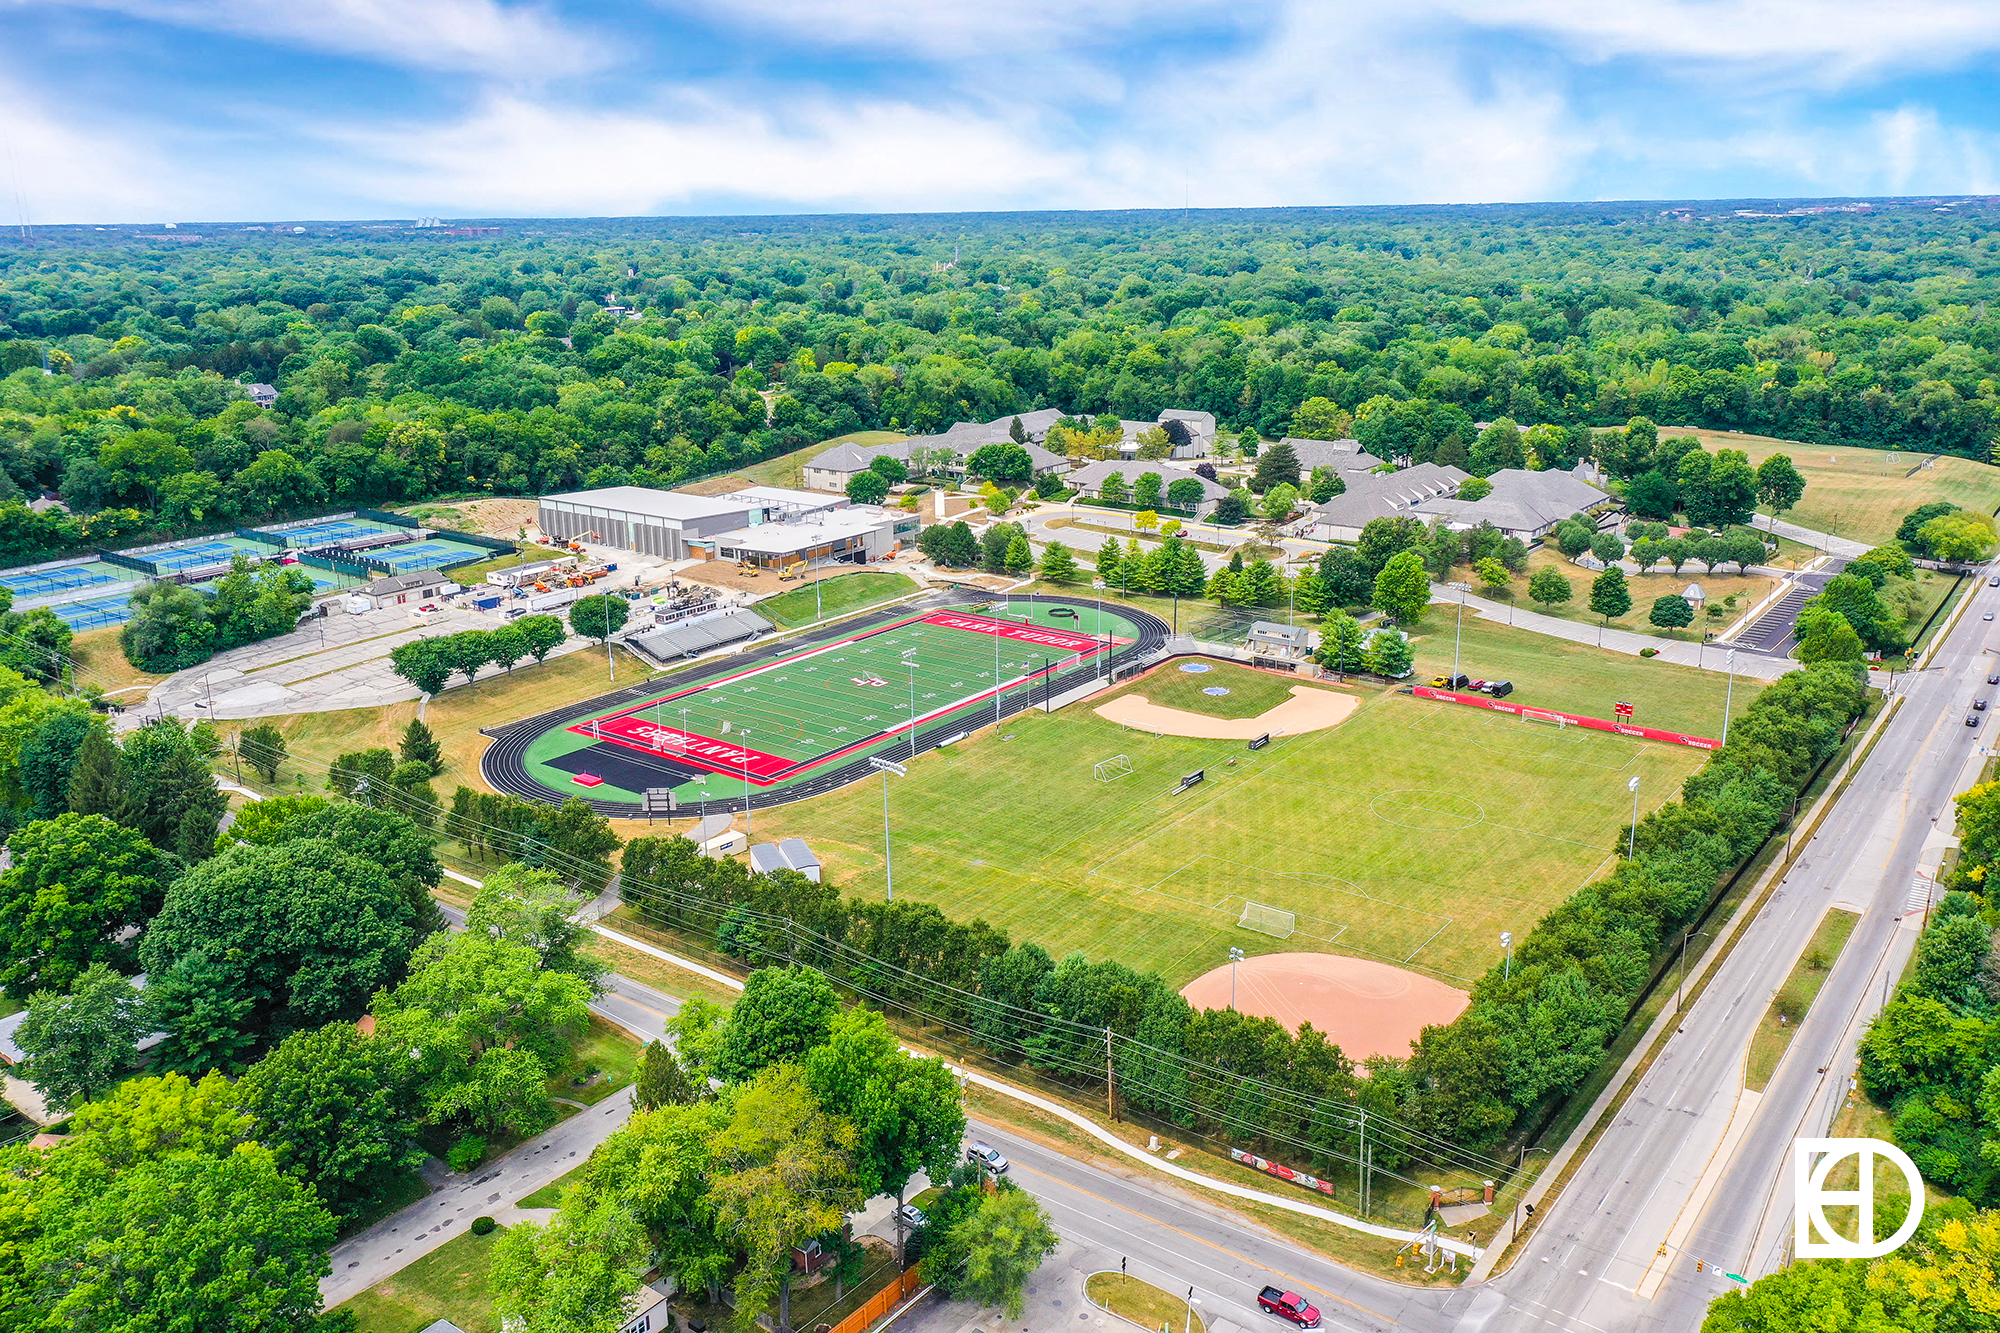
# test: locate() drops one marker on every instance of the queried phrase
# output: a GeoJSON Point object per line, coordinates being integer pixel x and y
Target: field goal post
{"type": "Point", "coordinates": [1117, 766]}
{"type": "Point", "coordinates": [1267, 919]}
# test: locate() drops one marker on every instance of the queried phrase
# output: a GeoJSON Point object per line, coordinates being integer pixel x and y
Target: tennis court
{"type": "Point", "coordinates": [426, 554]}
{"type": "Point", "coordinates": [96, 614]}
{"type": "Point", "coordinates": [200, 555]}
{"type": "Point", "coordinates": [69, 578]}
{"type": "Point", "coordinates": [328, 533]}
{"type": "Point", "coordinates": [786, 720]}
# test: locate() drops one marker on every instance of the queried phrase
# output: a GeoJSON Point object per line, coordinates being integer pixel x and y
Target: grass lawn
{"type": "Point", "coordinates": [604, 1050]}
{"type": "Point", "coordinates": [1863, 494]}
{"type": "Point", "coordinates": [1580, 677]}
{"type": "Point", "coordinates": [455, 716]}
{"type": "Point", "coordinates": [1250, 691]}
{"type": "Point", "coordinates": [1795, 997]}
{"type": "Point", "coordinates": [1862, 1119]}
{"type": "Point", "coordinates": [1748, 590]}
{"type": "Point", "coordinates": [1415, 832]}
{"type": "Point", "coordinates": [833, 596]}
{"type": "Point", "coordinates": [1141, 1302]}
{"type": "Point", "coordinates": [103, 663]}
{"type": "Point", "coordinates": [448, 1283]}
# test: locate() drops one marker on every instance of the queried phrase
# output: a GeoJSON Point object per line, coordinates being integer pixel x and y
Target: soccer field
{"type": "Point", "coordinates": [791, 720]}
{"type": "Point", "coordinates": [1414, 833]}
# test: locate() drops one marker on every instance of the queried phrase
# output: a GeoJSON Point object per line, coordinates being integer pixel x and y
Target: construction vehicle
{"type": "Point", "coordinates": [795, 570]}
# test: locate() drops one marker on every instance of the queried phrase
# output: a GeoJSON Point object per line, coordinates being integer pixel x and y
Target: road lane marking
{"type": "Point", "coordinates": [1697, 1202]}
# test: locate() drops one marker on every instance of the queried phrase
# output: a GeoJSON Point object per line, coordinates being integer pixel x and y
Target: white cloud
{"type": "Point", "coordinates": [59, 169]}
{"type": "Point", "coordinates": [514, 156]}
{"type": "Point", "coordinates": [965, 29]}
{"type": "Point", "coordinates": [473, 36]}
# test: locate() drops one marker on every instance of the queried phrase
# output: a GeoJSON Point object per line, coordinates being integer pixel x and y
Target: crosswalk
{"type": "Point", "coordinates": [1922, 895]}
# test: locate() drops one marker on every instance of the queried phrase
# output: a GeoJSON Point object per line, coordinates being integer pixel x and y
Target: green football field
{"type": "Point", "coordinates": [1415, 833]}
{"type": "Point", "coordinates": [784, 722]}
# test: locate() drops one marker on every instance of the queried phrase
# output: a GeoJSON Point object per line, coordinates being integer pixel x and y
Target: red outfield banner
{"type": "Point", "coordinates": [1281, 1172]}
{"type": "Point", "coordinates": [1573, 719]}
{"type": "Point", "coordinates": [1007, 629]}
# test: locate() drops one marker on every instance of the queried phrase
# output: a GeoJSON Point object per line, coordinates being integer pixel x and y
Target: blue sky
{"type": "Point", "coordinates": [155, 110]}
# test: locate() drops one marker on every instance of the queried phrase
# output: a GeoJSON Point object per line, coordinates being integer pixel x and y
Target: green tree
{"type": "Point", "coordinates": [599, 617]}
{"type": "Point", "coordinates": [297, 934]}
{"type": "Point", "coordinates": [1857, 601]}
{"type": "Point", "coordinates": [1607, 547]}
{"type": "Point", "coordinates": [1184, 494]}
{"type": "Point", "coordinates": [1492, 573]}
{"type": "Point", "coordinates": [80, 884]}
{"type": "Point", "coordinates": [1671, 612]}
{"type": "Point", "coordinates": [1019, 558]}
{"type": "Point", "coordinates": [263, 748]}
{"type": "Point", "coordinates": [486, 1026]}
{"type": "Point", "coordinates": [1346, 579]}
{"type": "Point", "coordinates": [1779, 485]}
{"type": "Point", "coordinates": [1113, 490]}
{"type": "Point", "coordinates": [661, 1081]}
{"type": "Point", "coordinates": [1146, 491]}
{"type": "Point", "coordinates": [1549, 587]}
{"type": "Point", "coordinates": [338, 1111]}
{"type": "Point", "coordinates": [1474, 488]}
{"type": "Point", "coordinates": [48, 758]}
{"type": "Point", "coordinates": [784, 1175]}
{"type": "Point", "coordinates": [576, 1275]}
{"type": "Point", "coordinates": [783, 1013]}
{"type": "Point", "coordinates": [890, 468]}
{"type": "Point", "coordinates": [169, 628]}
{"type": "Point", "coordinates": [1004, 1241]}
{"type": "Point", "coordinates": [906, 1112]}
{"type": "Point", "coordinates": [420, 746]}
{"type": "Point", "coordinates": [1825, 636]}
{"type": "Point", "coordinates": [542, 634]}
{"type": "Point", "coordinates": [1279, 502]}
{"type": "Point", "coordinates": [867, 487]}
{"type": "Point", "coordinates": [1341, 644]}
{"type": "Point", "coordinates": [1232, 508]}
{"type": "Point", "coordinates": [1278, 465]}
{"type": "Point", "coordinates": [97, 785]}
{"type": "Point", "coordinates": [1321, 419]}
{"type": "Point", "coordinates": [1609, 596]}
{"type": "Point", "coordinates": [170, 795]}
{"type": "Point", "coordinates": [1389, 653]}
{"type": "Point", "coordinates": [1574, 538]}
{"type": "Point", "coordinates": [79, 1044]}
{"type": "Point", "coordinates": [532, 907]}
{"type": "Point", "coordinates": [1058, 565]}
{"type": "Point", "coordinates": [1001, 464]}
{"type": "Point", "coordinates": [347, 772]}
{"type": "Point", "coordinates": [1960, 536]}
{"type": "Point", "coordinates": [1403, 588]}
{"type": "Point", "coordinates": [425, 663]}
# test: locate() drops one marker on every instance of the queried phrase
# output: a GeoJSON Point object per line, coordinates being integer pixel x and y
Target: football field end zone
{"type": "Point", "coordinates": [504, 765]}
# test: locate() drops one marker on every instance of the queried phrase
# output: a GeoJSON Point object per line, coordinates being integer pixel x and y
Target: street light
{"type": "Point", "coordinates": [1192, 1301]}
{"type": "Point", "coordinates": [1632, 838]}
{"type": "Point", "coordinates": [1235, 957]}
{"type": "Point", "coordinates": [1507, 943]}
{"type": "Point", "coordinates": [886, 767]}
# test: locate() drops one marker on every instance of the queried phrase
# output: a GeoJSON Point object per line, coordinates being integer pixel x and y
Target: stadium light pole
{"type": "Point", "coordinates": [1632, 838]}
{"type": "Point", "coordinates": [744, 750]}
{"type": "Point", "coordinates": [1457, 634]}
{"type": "Point", "coordinates": [1235, 957]}
{"type": "Point", "coordinates": [886, 767]}
{"type": "Point", "coordinates": [913, 703]}
{"type": "Point", "coordinates": [1728, 692]}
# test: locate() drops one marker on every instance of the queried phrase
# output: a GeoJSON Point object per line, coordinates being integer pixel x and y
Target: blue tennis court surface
{"type": "Point", "coordinates": [424, 555]}
{"type": "Point", "coordinates": [191, 557]}
{"type": "Point", "coordinates": [325, 534]}
{"type": "Point", "coordinates": [46, 582]}
{"type": "Point", "coordinates": [94, 614]}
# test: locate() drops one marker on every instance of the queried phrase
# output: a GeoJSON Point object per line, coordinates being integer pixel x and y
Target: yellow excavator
{"type": "Point", "coordinates": [795, 570]}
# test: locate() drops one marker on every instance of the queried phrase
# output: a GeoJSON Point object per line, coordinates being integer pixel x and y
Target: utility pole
{"type": "Point", "coordinates": [1110, 1079]}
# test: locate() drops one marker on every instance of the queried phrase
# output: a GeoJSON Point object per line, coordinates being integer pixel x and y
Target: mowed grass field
{"type": "Point", "coordinates": [1414, 833]}
{"type": "Point", "coordinates": [1184, 685]}
{"type": "Point", "coordinates": [833, 596]}
{"type": "Point", "coordinates": [1580, 677]}
{"type": "Point", "coordinates": [1863, 494]}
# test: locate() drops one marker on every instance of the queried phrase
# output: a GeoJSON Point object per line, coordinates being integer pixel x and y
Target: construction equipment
{"type": "Point", "coordinates": [795, 570]}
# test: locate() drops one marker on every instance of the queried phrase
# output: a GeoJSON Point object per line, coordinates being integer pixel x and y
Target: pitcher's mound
{"type": "Point", "coordinates": [1365, 1008]}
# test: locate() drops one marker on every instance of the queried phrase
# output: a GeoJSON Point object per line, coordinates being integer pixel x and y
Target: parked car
{"type": "Point", "coordinates": [914, 1217]}
{"type": "Point", "coordinates": [1289, 1305]}
{"type": "Point", "coordinates": [987, 1158]}
{"type": "Point", "coordinates": [1993, 678]}
{"type": "Point", "coordinates": [1987, 616]}
{"type": "Point", "coordinates": [1972, 719]}
{"type": "Point", "coordinates": [1499, 689]}
{"type": "Point", "coordinates": [1458, 682]}
{"type": "Point", "coordinates": [1993, 582]}
{"type": "Point", "coordinates": [1979, 704]}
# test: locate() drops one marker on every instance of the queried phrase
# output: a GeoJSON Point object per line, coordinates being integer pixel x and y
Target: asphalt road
{"type": "Point", "coordinates": [1595, 1263]}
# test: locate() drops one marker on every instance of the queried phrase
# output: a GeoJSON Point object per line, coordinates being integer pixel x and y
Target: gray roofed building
{"type": "Point", "coordinates": [1378, 495]}
{"type": "Point", "coordinates": [1345, 455]}
{"type": "Point", "coordinates": [765, 857]}
{"type": "Point", "coordinates": [800, 857]}
{"type": "Point", "coordinates": [1088, 480]}
{"type": "Point", "coordinates": [832, 470]}
{"type": "Point", "coordinates": [1522, 504]}
{"type": "Point", "coordinates": [1200, 424]}
{"type": "Point", "coordinates": [1270, 641]}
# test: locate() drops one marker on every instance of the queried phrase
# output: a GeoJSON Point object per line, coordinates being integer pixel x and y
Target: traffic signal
{"type": "Point", "coordinates": [1697, 1265]}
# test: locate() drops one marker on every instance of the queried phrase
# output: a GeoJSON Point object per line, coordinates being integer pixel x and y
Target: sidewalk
{"type": "Point", "coordinates": [1708, 657]}
{"type": "Point", "coordinates": [400, 1239]}
{"type": "Point", "coordinates": [1825, 541]}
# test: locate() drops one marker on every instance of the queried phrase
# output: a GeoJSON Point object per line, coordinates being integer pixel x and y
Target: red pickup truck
{"type": "Point", "coordinates": [1289, 1305]}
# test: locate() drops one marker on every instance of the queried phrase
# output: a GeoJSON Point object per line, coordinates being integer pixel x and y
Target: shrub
{"type": "Point", "coordinates": [483, 1225]}
{"type": "Point", "coordinates": [1649, 652]}
{"type": "Point", "coordinates": [467, 1153]}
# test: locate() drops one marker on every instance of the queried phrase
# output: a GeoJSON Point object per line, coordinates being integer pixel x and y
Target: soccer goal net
{"type": "Point", "coordinates": [1117, 766]}
{"type": "Point", "coordinates": [1550, 719]}
{"type": "Point", "coordinates": [1270, 920]}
